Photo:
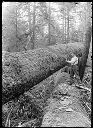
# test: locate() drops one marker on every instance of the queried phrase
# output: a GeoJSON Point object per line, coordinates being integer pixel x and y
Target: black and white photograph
{"type": "Point", "coordinates": [46, 64]}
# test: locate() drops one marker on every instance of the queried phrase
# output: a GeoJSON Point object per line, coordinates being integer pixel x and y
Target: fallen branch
{"type": "Point", "coordinates": [81, 87]}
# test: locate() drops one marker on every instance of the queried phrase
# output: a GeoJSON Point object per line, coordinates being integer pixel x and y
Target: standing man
{"type": "Point", "coordinates": [73, 65]}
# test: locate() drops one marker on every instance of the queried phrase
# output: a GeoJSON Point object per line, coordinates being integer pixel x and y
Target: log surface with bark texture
{"type": "Point", "coordinates": [23, 70]}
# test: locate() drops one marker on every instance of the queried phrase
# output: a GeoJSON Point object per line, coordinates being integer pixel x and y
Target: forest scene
{"type": "Point", "coordinates": [46, 64]}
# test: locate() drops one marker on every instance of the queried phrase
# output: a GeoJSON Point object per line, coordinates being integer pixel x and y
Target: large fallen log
{"type": "Point", "coordinates": [23, 70]}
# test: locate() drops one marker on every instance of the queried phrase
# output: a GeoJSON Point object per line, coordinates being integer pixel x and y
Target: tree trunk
{"type": "Point", "coordinates": [85, 52]}
{"type": "Point", "coordinates": [33, 35]}
{"type": "Point", "coordinates": [49, 25]}
{"type": "Point", "coordinates": [31, 27]}
{"type": "Point", "coordinates": [16, 25]}
{"type": "Point", "coordinates": [88, 69]}
{"type": "Point", "coordinates": [23, 70]}
{"type": "Point", "coordinates": [68, 27]}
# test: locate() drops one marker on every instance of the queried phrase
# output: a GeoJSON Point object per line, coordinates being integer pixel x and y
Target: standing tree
{"type": "Point", "coordinates": [30, 28]}
{"type": "Point", "coordinates": [49, 24]}
{"type": "Point", "coordinates": [33, 29]}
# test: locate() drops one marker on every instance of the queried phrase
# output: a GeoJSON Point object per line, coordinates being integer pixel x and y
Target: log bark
{"type": "Point", "coordinates": [23, 70]}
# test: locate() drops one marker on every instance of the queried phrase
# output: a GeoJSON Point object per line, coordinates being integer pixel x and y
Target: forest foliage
{"type": "Point", "coordinates": [30, 25]}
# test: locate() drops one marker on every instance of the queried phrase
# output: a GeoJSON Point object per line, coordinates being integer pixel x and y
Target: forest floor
{"type": "Point", "coordinates": [30, 109]}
